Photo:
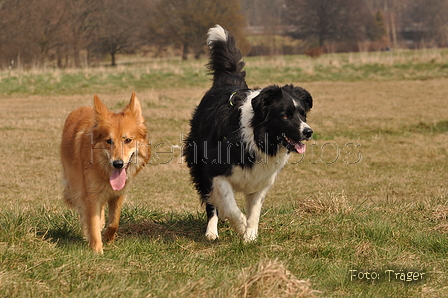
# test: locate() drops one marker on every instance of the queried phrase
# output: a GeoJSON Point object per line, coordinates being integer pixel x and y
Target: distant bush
{"type": "Point", "coordinates": [270, 45]}
{"type": "Point", "coordinates": [314, 52]}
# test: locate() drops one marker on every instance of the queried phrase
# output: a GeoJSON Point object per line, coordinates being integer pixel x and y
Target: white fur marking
{"type": "Point", "coordinates": [253, 205]}
{"type": "Point", "coordinates": [296, 104]}
{"type": "Point", "coordinates": [212, 228]}
{"type": "Point", "coordinates": [260, 176]}
{"type": "Point", "coordinates": [254, 183]}
{"type": "Point", "coordinates": [303, 125]}
{"type": "Point", "coordinates": [247, 113]}
{"type": "Point", "coordinates": [223, 199]}
{"type": "Point", "coordinates": [216, 33]}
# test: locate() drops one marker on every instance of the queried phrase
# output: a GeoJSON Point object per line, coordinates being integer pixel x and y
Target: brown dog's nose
{"type": "Point", "coordinates": [118, 164]}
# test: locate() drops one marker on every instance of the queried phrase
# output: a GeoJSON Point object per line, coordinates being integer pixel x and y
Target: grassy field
{"type": "Point", "coordinates": [364, 213]}
{"type": "Point", "coordinates": [138, 74]}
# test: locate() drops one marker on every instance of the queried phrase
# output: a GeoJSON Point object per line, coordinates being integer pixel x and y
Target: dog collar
{"type": "Point", "coordinates": [231, 97]}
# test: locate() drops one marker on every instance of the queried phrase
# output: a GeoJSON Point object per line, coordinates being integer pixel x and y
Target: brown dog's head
{"type": "Point", "coordinates": [122, 137]}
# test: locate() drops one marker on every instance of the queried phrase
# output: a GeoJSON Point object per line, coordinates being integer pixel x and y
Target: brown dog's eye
{"type": "Point", "coordinates": [109, 141]}
{"type": "Point", "coordinates": [127, 141]}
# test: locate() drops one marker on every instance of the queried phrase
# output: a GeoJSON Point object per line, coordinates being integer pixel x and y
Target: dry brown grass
{"type": "Point", "coordinates": [267, 278]}
{"type": "Point", "coordinates": [403, 169]}
{"type": "Point", "coordinates": [271, 279]}
{"type": "Point", "coordinates": [324, 203]}
{"type": "Point", "coordinates": [396, 164]}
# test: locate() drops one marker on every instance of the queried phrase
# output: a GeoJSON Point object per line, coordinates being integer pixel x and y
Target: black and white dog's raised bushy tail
{"type": "Point", "coordinates": [241, 138]}
{"type": "Point", "coordinates": [225, 59]}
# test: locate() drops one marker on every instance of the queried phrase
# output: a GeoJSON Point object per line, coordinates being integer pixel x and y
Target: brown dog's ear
{"type": "Point", "coordinates": [100, 108]}
{"type": "Point", "coordinates": [134, 108]}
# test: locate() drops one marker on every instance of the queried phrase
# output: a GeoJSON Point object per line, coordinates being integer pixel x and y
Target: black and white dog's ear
{"type": "Point", "coordinates": [304, 97]}
{"type": "Point", "coordinates": [262, 101]}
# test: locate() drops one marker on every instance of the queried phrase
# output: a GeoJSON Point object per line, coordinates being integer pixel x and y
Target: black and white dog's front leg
{"type": "Point", "coordinates": [254, 201]}
{"type": "Point", "coordinates": [212, 222]}
{"type": "Point", "coordinates": [223, 200]}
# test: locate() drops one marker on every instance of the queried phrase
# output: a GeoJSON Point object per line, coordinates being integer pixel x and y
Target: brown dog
{"type": "Point", "coordinates": [101, 152]}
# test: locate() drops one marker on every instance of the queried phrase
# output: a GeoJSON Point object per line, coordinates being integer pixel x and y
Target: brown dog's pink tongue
{"type": "Point", "coordinates": [118, 179]}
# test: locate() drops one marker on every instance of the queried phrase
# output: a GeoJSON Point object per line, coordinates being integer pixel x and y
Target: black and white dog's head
{"type": "Point", "coordinates": [279, 117]}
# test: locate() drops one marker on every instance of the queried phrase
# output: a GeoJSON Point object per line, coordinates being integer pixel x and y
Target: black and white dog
{"type": "Point", "coordinates": [241, 138]}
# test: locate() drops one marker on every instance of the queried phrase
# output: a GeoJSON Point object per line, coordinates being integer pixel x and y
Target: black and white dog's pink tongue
{"type": "Point", "coordinates": [118, 179]}
{"type": "Point", "coordinates": [300, 147]}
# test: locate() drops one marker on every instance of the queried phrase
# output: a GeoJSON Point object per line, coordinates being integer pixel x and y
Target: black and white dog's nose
{"type": "Point", "coordinates": [118, 164]}
{"type": "Point", "coordinates": [307, 132]}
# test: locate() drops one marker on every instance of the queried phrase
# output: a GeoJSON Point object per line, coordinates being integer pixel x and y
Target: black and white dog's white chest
{"type": "Point", "coordinates": [259, 175]}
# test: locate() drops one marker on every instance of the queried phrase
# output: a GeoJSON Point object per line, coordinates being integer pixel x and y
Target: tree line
{"type": "Point", "coordinates": [77, 33]}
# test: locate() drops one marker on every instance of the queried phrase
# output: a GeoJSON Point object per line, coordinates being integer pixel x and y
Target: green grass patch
{"type": "Point", "coordinates": [162, 254]}
{"type": "Point", "coordinates": [160, 74]}
{"type": "Point", "coordinates": [436, 127]}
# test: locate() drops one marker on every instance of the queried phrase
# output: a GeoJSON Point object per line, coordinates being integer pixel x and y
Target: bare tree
{"type": "Point", "coordinates": [120, 26]}
{"type": "Point", "coordinates": [32, 29]}
{"type": "Point", "coordinates": [376, 29]}
{"type": "Point", "coordinates": [15, 25]}
{"type": "Point", "coordinates": [314, 19]}
{"type": "Point", "coordinates": [49, 16]}
{"type": "Point", "coordinates": [429, 21]}
{"type": "Point", "coordinates": [395, 14]}
{"type": "Point", "coordinates": [185, 22]}
{"type": "Point", "coordinates": [264, 13]}
{"type": "Point", "coordinates": [81, 21]}
{"type": "Point", "coordinates": [327, 20]}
